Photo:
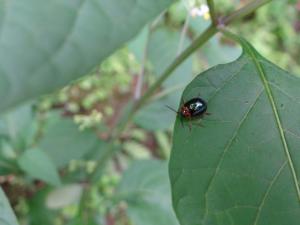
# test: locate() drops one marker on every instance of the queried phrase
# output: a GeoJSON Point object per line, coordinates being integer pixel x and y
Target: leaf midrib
{"type": "Point", "coordinates": [265, 82]}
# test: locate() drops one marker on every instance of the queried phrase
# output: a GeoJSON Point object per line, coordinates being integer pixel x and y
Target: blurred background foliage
{"type": "Point", "coordinates": [49, 146]}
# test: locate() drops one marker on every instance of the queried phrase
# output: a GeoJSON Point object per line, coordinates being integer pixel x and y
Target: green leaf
{"type": "Point", "coordinates": [64, 196]}
{"type": "Point", "coordinates": [37, 164]}
{"type": "Point", "coordinates": [7, 216]}
{"type": "Point", "coordinates": [138, 44]}
{"type": "Point", "coordinates": [38, 212]}
{"type": "Point", "coordinates": [44, 45]}
{"type": "Point", "coordinates": [63, 141]}
{"type": "Point", "coordinates": [146, 189]}
{"type": "Point", "coordinates": [164, 46]}
{"type": "Point", "coordinates": [242, 167]}
{"type": "Point", "coordinates": [18, 126]}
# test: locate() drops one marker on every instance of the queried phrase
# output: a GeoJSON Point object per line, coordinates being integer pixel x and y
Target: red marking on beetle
{"type": "Point", "coordinates": [185, 112]}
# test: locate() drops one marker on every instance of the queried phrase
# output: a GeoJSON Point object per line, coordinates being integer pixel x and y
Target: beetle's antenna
{"type": "Point", "coordinates": [171, 109]}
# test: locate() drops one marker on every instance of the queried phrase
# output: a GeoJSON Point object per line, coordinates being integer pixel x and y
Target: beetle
{"type": "Point", "coordinates": [192, 109]}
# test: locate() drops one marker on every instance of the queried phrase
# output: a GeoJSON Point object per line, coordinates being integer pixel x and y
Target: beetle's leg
{"type": "Point", "coordinates": [207, 113]}
{"type": "Point", "coordinates": [183, 101]}
{"type": "Point", "coordinates": [199, 124]}
{"type": "Point", "coordinates": [190, 125]}
{"type": "Point", "coordinates": [181, 121]}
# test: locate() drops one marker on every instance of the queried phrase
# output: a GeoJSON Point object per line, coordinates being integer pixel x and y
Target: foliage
{"type": "Point", "coordinates": [7, 217]}
{"type": "Point", "coordinates": [96, 150]}
{"type": "Point", "coordinates": [233, 170]}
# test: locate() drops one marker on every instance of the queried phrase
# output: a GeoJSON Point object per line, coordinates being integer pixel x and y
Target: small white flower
{"type": "Point", "coordinates": [203, 10]}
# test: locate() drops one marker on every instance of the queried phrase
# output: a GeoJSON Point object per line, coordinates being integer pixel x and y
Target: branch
{"type": "Point", "coordinates": [212, 12]}
{"type": "Point", "coordinates": [244, 11]}
{"type": "Point", "coordinates": [140, 79]}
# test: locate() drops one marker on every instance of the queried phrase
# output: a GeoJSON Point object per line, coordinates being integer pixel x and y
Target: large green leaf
{"type": "Point", "coordinates": [7, 217]}
{"type": "Point", "coordinates": [45, 44]}
{"type": "Point", "coordinates": [18, 126]}
{"type": "Point", "coordinates": [63, 141]}
{"type": "Point", "coordinates": [146, 190]}
{"type": "Point", "coordinates": [14, 123]}
{"type": "Point", "coordinates": [242, 167]}
{"type": "Point", "coordinates": [37, 164]}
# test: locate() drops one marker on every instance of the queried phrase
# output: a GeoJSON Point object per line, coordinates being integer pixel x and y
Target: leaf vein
{"type": "Point", "coordinates": [226, 82]}
{"type": "Point", "coordinates": [64, 41]}
{"type": "Point", "coordinates": [258, 213]}
{"type": "Point", "coordinates": [227, 147]}
{"type": "Point", "coordinates": [283, 92]}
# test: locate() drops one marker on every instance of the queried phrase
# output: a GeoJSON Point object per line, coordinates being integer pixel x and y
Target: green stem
{"type": "Point", "coordinates": [212, 12]}
{"type": "Point", "coordinates": [244, 11]}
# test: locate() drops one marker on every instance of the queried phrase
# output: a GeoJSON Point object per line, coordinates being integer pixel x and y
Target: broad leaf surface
{"type": "Point", "coordinates": [18, 128]}
{"type": "Point", "coordinates": [7, 217]}
{"type": "Point", "coordinates": [37, 164]}
{"type": "Point", "coordinates": [63, 141]}
{"type": "Point", "coordinates": [146, 189]}
{"type": "Point", "coordinates": [45, 44]}
{"type": "Point", "coordinates": [242, 166]}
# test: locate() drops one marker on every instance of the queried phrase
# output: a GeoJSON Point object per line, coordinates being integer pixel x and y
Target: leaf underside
{"type": "Point", "coordinates": [7, 216]}
{"type": "Point", "coordinates": [241, 166]}
{"type": "Point", "coordinates": [45, 45]}
{"type": "Point", "coordinates": [146, 189]}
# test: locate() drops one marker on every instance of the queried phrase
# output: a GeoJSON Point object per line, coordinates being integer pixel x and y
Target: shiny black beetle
{"type": "Point", "coordinates": [192, 109]}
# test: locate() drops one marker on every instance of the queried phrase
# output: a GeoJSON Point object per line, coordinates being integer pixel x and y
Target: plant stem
{"type": "Point", "coordinates": [140, 79]}
{"type": "Point", "coordinates": [212, 12]}
{"type": "Point", "coordinates": [183, 33]}
{"type": "Point", "coordinates": [244, 11]}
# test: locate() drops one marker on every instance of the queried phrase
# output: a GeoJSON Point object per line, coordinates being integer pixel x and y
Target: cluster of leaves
{"type": "Point", "coordinates": [49, 148]}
